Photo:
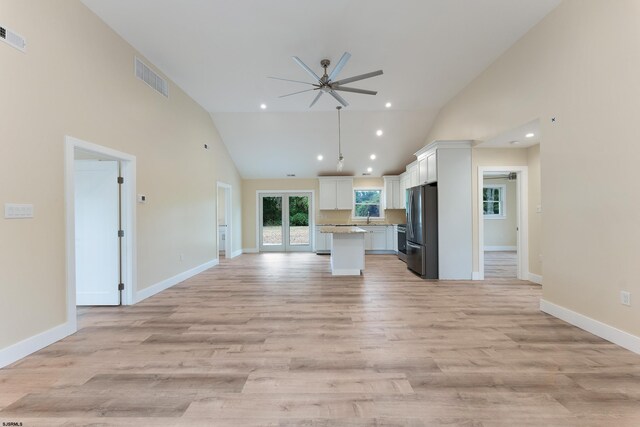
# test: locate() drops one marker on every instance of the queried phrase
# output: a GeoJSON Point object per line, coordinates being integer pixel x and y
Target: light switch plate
{"type": "Point", "coordinates": [17, 211]}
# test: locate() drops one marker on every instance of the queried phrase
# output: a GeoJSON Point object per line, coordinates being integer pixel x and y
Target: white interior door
{"type": "Point", "coordinates": [96, 232]}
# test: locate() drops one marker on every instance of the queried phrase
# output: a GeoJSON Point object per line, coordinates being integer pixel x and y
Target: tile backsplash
{"type": "Point", "coordinates": [392, 216]}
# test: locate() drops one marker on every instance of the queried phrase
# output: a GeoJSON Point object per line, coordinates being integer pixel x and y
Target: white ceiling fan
{"type": "Point", "coordinates": [327, 82]}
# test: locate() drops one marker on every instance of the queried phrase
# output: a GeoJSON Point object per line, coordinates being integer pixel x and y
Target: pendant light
{"type": "Point", "coordinates": [340, 164]}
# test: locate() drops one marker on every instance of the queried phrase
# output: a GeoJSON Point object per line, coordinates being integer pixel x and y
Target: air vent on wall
{"type": "Point", "coordinates": [144, 73]}
{"type": "Point", "coordinates": [13, 39]}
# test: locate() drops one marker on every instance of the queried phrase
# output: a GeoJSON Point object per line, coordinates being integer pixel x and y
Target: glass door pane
{"type": "Point", "coordinates": [272, 227]}
{"type": "Point", "coordinates": [299, 230]}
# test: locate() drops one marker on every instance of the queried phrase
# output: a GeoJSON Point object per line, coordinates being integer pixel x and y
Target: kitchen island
{"type": "Point", "coordinates": [347, 250]}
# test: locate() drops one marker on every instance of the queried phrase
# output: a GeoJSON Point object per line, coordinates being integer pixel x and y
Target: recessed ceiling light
{"type": "Point", "coordinates": [388, 105]}
{"type": "Point", "coordinates": [514, 142]}
{"type": "Point", "coordinates": [379, 132]}
{"type": "Point", "coordinates": [320, 157]}
{"type": "Point", "coordinates": [369, 170]}
{"type": "Point", "coordinates": [372, 157]}
{"type": "Point", "coordinates": [263, 106]}
{"type": "Point", "coordinates": [530, 135]}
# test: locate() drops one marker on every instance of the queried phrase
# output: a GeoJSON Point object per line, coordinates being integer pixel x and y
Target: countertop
{"type": "Point", "coordinates": [342, 230]}
{"type": "Point", "coordinates": [355, 225]}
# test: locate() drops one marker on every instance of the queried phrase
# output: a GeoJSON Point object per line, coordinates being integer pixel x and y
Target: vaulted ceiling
{"type": "Point", "coordinates": [221, 52]}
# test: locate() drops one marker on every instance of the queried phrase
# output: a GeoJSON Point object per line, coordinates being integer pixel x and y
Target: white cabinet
{"type": "Point", "coordinates": [376, 238]}
{"type": "Point", "coordinates": [336, 193]}
{"type": "Point", "coordinates": [412, 171]}
{"type": "Point", "coordinates": [392, 238]}
{"type": "Point", "coordinates": [404, 184]}
{"type": "Point", "coordinates": [323, 241]}
{"type": "Point", "coordinates": [427, 167]}
{"type": "Point", "coordinates": [344, 196]}
{"type": "Point", "coordinates": [392, 193]}
{"type": "Point", "coordinates": [432, 168]}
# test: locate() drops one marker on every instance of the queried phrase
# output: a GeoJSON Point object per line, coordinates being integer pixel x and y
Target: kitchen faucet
{"type": "Point", "coordinates": [368, 217]}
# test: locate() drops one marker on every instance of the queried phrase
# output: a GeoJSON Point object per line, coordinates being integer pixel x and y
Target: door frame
{"type": "Point", "coordinates": [129, 266]}
{"type": "Point", "coordinates": [228, 247]}
{"type": "Point", "coordinates": [522, 220]}
{"type": "Point", "coordinates": [312, 213]}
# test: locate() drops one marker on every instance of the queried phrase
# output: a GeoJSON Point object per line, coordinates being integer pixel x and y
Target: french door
{"type": "Point", "coordinates": [285, 222]}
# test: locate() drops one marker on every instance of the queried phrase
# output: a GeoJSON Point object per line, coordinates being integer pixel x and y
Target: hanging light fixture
{"type": "Point", "coordinates": [340, 164]}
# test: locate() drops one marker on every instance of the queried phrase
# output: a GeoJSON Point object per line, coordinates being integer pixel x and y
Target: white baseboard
{"type": "Point", "coordinates": [250, 251]}
{"type": "Point", "coordinates": [37, 342]}
{"type": "Point", "coordinates": [236, 253]}
{"type": "Point", "coordinates": [476, 275]}
{"type": "Point", "coordinates": [167, 283]}
{"type": "Point", "coordinates": [346, 272]}
{"type": "Point", "coordinates": [602, 330]}
{"type": "Point", "coordinates": [500, 248]}
{"type": "Point", "coordinates": [535, 278]}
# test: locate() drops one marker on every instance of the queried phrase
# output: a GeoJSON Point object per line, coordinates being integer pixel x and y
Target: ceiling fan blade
{"type": "Point", "coordinates": [356, 78]}
{"type": "Point", "coordinates": [338, 98]}
{"type": "Point", "coordinates": [316, 99]}
{"type": "Point", "coordinates": [307, 69]}
{"type": "Point", "coordinates": [289, 80]}
{"type": "Point", "coordinates": [295, 93]}
{"type": "Point", "coordinates": [354, 90]}
{"type": "Point", "coordinates": [343, 61]}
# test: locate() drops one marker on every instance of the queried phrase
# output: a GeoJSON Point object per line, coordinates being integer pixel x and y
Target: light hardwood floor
{"type": "Point", "coordinates": [500, 264]}
{"type": "Point", "coordinates": [275, 340]}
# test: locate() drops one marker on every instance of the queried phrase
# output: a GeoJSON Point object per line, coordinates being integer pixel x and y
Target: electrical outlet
{"type": "Point", "coordinates": [625, 297]}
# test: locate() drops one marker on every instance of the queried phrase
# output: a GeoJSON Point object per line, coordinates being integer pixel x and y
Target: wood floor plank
{"type": "Point", "coordinates": [275, 340]}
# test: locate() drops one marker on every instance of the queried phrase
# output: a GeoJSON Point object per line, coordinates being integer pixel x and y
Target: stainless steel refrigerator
{"type": "Point", "coordinates": [422, 230]}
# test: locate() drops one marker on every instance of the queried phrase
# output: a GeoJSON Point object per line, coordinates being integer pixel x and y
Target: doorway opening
{"type": "Point", "coordinates": [503, 222]}
{"type": "Point", "coordinates": [100, 220]}
{"type": "Point", "coordinates": [224, 214]}
{"type": "Point", "coordinates": [285, 221]}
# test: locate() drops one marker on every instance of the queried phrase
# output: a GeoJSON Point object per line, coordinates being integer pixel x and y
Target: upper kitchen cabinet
{"type": "Point", "coordinates": [392, 193]}
{"type": "Point", "coordinates": [336, 193]}
{"type": "Point", "coordinates": [414, 174]}
{"type": "Point", "coordinates": [427, 166]}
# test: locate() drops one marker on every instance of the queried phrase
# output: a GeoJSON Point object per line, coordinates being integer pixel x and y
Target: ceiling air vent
{"type": "Point", "coordinates": [144, 73]}
{"type": "Point", "coordinates": [13, 39]}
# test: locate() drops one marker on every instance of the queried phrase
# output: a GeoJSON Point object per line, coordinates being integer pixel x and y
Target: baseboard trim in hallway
{"type": "Point", "coordinates": [37, 342]}
{"type": "Point", "coordinates": [597, 328]}
{"type": "Point", "coordinates": [172, 281]}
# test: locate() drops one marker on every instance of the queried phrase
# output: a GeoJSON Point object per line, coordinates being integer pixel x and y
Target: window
{"type": "Point", "coordinates": [493, 197]}
{"type": "Point", "coordinates": [367, 203]}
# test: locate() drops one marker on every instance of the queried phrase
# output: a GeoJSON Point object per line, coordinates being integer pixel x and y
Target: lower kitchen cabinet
{"type": "Point", "coordinates": [378, 239]}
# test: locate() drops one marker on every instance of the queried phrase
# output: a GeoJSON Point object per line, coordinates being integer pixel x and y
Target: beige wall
{"type": "Point", "coordinates": [580, 65]}
{"type": "Point", "coordinates": [251, 186]}
{"type": "Point", "coordinates": [502, 231]}
{"type": "Point", "coordinates": [77, 79]}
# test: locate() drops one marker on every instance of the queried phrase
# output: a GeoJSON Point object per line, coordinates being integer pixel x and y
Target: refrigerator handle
{"type": "Point", "coordinates": [409, 216]}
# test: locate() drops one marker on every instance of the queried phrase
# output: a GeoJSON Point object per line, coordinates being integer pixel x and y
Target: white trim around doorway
{"type": "Point", "coordinates": [128, 167]}
{"type": "Point", "coordinates": [522, 202]}
{"type": "Point", "coordinates": [228, 213]}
